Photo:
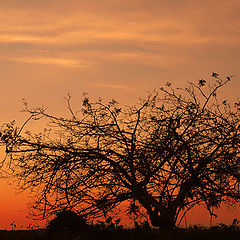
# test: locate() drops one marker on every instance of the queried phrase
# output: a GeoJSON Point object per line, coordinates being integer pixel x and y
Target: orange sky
{"type": "Point", "coordinates": [109, 48]}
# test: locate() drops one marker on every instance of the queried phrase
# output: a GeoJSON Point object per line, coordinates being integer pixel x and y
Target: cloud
{"type": "Point", "coordinates": [147, 34]}
{"type": "Point", "coordinates": [145, 21]}
{"type": "Point", "coordinates": [109, 85]}
{"type": "Point", "coordinates": [52, 61]}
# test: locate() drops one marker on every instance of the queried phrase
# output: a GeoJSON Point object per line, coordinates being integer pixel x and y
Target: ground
{"type": "Point", "coordinates": [221, 232]}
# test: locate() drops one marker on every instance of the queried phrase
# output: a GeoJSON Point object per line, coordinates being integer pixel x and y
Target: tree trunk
{"type": "Point", "coordinates": [159, 215]}
{"type": "Point", "coordinates": [164, 221]}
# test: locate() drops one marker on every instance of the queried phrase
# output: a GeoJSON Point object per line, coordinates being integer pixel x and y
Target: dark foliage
{"type": "Point", "coordinates": [219, 232]}
{"type": "Point", "coordinates": [67, 220]}
{"type": "Point", "coordinates": [141, 232]}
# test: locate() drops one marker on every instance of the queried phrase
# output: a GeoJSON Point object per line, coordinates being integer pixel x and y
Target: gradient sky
{"type": "Point", "coordinates": [110, 49]}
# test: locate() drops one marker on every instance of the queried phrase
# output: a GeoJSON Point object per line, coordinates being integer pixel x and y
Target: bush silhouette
{"type": "Point", "coordinates": [67, 220]}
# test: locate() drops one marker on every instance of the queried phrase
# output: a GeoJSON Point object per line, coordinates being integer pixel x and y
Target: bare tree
{"type": "Point", "coordinates": [168, 153]}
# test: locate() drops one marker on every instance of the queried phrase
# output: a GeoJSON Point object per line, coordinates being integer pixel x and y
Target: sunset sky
{"type": "Point", "coordinates": [110, 49]}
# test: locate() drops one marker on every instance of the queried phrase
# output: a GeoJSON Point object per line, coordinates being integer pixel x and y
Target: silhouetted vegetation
{"type": "Point", "coordinates": [141, 232]}
{"type": "Point", "coordinates": [158, 159]}
{"type": "Point", "coordinates": [67, 220]}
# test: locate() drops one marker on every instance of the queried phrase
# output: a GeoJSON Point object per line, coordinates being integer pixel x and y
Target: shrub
{"type": "Point", "coordinates": [67, 220]}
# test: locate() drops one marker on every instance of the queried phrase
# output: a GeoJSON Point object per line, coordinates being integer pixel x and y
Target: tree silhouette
{"type": "Point", "coordinates": [171, 151]}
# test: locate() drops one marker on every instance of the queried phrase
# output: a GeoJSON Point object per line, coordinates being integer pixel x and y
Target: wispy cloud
{"type": "Point", "coordinates": [135, 40]}
{"type": "Point", "coordinates": [51, 61]}
{"type": "Point", "coordinates": [109, 85]}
